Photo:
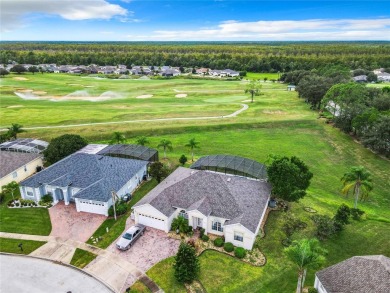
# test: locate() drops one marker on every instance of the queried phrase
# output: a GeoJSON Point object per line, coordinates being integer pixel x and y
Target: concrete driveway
{"type": "Point", "coordinates": [149, 249]}
{"type": "Point", "coordinates": [67, 223]}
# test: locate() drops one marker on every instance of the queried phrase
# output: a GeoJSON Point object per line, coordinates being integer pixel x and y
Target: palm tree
{"type": "Point", "coordinates": [192, 144]}
{"type": "Point", "coordinates": [305, 254]}
{"type": "Point", "coordinates": [142, 140]}
{"type": "Point", "coordinates": [165, 144]}
{"type": "Point", "coordinates": [118, 137]}
{"type": "Point", "coordinates": [357, 179]}
{"type": "Point", "coordinates": [180, 223]}
{"type": "Point", "coordinates": [15, 129]}
{"type": "Point", "coordinates": [253, 88]}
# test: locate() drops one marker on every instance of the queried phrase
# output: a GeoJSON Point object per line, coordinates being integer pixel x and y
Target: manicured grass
{"type": "Point", "coordinates": [81, 258]}
{"type": "Point", "coordinates": [139, 287]}
{"type": "Point", "coordinates": [11, 245]}
{"type": "Point", "coordinates": [261, 76]}
{"type": "Point", "coordinates": [34, 221]}
{"type": "Point", "coordinates": [163, 274]}
{"type": "Point", "coordinates": [117, 227]}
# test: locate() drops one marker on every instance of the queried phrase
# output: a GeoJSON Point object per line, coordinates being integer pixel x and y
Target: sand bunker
{"type": "Point", "coordinates": [274, 112]}
{"type": "Point", "coordinates": [39, 93]}
{"type": "Point", "coordinates": [77, 95]}
{"type": "Point", "coordinates": [15, 106]}
{"type": "Point", "coordinates": [246, 101]}
{"type": "Point", "coordinates": [181, 96]}
{"type": "Point", "coordinates": [25, 91]}
{"type": "Point", "coordinates": [75, 84]}
{"type": "Point", "coordinates": [20, 78]}
{"type": "Point", "coordinates": [88, 86]}
{"type": "Point", "coordinates": [144, 96]}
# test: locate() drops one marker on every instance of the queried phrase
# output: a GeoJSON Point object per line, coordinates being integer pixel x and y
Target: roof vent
{"type": "Point", "coordinates": [228, 180]}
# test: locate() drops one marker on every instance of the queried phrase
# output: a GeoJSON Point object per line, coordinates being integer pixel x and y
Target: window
{"type": "Point", "coordinates": [183, 214]}
{"type": "Point", "coordinates": [217, 226]}
{"type": "Point", "coordinates": [25, 168]}
{"type": "Point", "coordinates": [14, 174]}
{"type": "Point", "coordinates": [29, 193]}
{"type": "Point", "coordinates": [238, 236]}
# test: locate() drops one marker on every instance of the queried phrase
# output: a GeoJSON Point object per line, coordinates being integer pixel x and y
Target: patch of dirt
{"type": "Point", "coordinates": [246, 101]}
{"type": "Point", "coordinates": [25, 91]}
{"type": "Point", "coordinates": [39, 92]}
{"type": "Point", "coordinates": [75, 84]}
{"type": "Point", "coordinates": [15, 106]}
{"type": "Point", "coordinates": [144, 96]}
{"type": "Point", "coordinates": [20, 78]}
{"type": "Point", "coordinates": [274, 112]}
{"type": "Point", "coordinates": [89, 86]}
{"type": "Point", "coordinates": [181, 96]}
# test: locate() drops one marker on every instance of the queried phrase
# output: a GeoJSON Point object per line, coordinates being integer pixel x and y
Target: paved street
{"type": "Point", "coordinates": [19, 274]}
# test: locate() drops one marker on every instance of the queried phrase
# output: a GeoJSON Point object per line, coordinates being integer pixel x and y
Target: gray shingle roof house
{"type": "Point", "coordinates": [221, 204]}
{"type": "Point", "coordinates": [86, 179]}
{"type": "Point", "coordinates": [16, 166]}
{"type": "Point", "coordinates": [358, 274]}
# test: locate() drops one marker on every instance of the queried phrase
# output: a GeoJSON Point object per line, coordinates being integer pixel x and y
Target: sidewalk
{"type": "Point", "coordinates": [107, 267]}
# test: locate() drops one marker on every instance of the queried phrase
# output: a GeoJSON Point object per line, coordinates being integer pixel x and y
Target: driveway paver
{"type": "Point", "coordinates": [67, 223]}
{"type": "Point", "coordinates": [149, 249]}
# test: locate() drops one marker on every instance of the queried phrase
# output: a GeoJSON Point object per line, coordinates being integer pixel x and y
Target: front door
{"type": "Point", "coordinates": [197, 222]}
{"type": "Point", "coordinates": [59, 194]}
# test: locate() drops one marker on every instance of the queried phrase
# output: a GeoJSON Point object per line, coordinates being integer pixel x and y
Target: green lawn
{"type": "Point", "coordinates": [34, 221]}
{"type": "Point", "coordinates": [117, 227]}
{"type": "Point", "coordinates": [139, 287]}
{"type": "Point", "coordinates": [261, 76]}
{"type": "Point", "coordinates": [81, 258]}
{"type": "Point", "coordinates": [11, 245]}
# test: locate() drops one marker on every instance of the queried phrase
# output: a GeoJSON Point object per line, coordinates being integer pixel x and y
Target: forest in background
{"type": "Point", "coordinates": [253, 57]}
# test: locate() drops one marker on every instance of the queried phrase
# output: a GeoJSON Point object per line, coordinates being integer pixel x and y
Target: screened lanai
{"type": "Point", "coordinates": [232, 165]}
{"type": "Point", "coordinates": [24, 145]}
{"type": "Point", "coordinates": [130, 151]}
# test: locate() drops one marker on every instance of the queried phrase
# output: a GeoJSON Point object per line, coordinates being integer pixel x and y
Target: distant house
{"type": "Point", "coordinates": [170, 72]}
{"type": "Point", "coordinates": [88, 180]}
{"type": "Point", "coordinates": [384, 76]}
{"type": "Point", "coordinates": [358, 274]}
{"type": "Point", "coordinates": [17, 166]}
{"type": "Point", "coordinates": [360, 78]}
{"type": "Point", "coordinates": [223, 205]}
{"type": "Point", "coordinates": [291, 87]}
{"type": "Point", "coordinates": [202, 71]}
{"type": "Point", "coordinates": [378, 71]}
{"type": "Point", "coordinates": [229, 72]}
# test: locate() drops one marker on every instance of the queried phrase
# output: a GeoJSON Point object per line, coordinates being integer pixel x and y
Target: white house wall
{"type": "Point", "coordinates": [320, 288]}
{"type": "Point", "coordinates": [132, 183]}
{"type": "Point", "coordinates": [249, 237]}
{"type": "Point", "coordinates": [150, 211]}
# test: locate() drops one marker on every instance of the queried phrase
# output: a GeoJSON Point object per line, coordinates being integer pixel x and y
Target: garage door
{"type": "Point", "coordinates": [151, 221]}
{"type": "Point", "coordinates": [92, 207]}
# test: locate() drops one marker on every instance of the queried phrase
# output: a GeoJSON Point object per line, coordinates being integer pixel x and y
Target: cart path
{"type": "Point", "coordinates": [234, 114]}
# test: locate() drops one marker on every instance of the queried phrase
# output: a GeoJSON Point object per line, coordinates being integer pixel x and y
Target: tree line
{"type": "Point", "coordinates": [253, 57]}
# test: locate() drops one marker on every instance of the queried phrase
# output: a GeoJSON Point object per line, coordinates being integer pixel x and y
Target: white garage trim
{"type": "Point", "coordinates": [152, 221]}
{"type": "Point", "coordinates": [90, 206]}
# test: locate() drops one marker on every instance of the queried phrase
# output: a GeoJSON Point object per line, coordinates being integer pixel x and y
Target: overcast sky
{"type": "Point", "coordinates": [205, 20]}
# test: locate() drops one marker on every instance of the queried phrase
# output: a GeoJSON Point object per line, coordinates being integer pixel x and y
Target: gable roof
{"type": "Point", "coordinates": [358, 274]}
{"type": "Point", "coordinates": [240, 200]}
{"type": "Point", "coordinates": [11, 161]}
{"type": "Point", "coordinates": [95, 175]}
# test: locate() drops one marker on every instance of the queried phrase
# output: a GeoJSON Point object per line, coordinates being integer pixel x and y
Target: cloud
{"type": "Point", "coordinates": [14, 12]}
{"type": "Point", "coordinates": [311, 29]}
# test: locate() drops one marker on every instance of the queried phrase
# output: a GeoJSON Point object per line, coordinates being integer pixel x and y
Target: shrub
{"type": "Point", "coordinates": [201, 232]}
{"type": "Point", "coordinates": [325, 226]}
{"type": "Point", "coordinates": [205, 238]}
{"type": "Point", "coordinates": [186, 264]}
{"type": "Point", "coordinates": [356, 214]}
{"type": "Point", "coordinates": [47, 198]}
{"type": "Point", "coordinates": [1, 197]}
{"type": "Point", "coordinates": [17, 204]}
{"type": "Point", "coordinates": [218, 242]}
{"type": "Point", "coordinates": [10, 202]}
{"type": "Point", "coordinates": [190, 229]}
{"type": "Point", "coordinates": [120, 208]}
{"type": "Point", "coordinates": [239, 252]}
{"type": "Point", "coordinates": [191, 242]}
{"type": "Point", "coordinates": [181, 224]}
{"type": "Point", "coordinates": [312, 290]}
{"type": "Point", "coordinates": [342, 214]}
{"type": "Point", "coordinates": [228, 247]}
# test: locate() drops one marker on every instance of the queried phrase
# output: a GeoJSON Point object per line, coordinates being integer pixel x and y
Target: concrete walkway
{"type": "Point", "coordinates": [109, 268]}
